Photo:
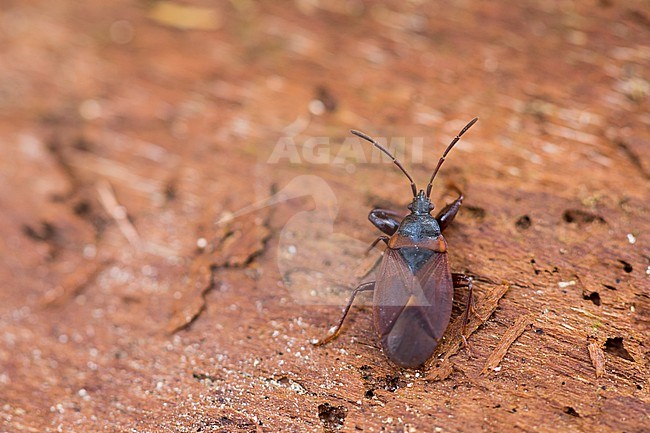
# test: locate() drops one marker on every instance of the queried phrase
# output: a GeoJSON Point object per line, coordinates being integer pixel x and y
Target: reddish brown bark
{"type": "Point", "coordinates": [135, 297]}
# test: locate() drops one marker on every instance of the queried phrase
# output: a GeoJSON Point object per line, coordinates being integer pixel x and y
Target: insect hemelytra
{"type": "Point", "coordinates": [413, 292]}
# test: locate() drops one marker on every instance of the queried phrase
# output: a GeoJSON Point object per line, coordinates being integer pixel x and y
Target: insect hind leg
{"type": "Point", "coordinates": [364, 287]}
{"type": "Point", "coordinates": [462, 280]}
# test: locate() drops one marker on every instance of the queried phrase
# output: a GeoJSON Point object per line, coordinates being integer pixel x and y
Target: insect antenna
{"type": "Point", "coordinates": [397, 163]}
{"type": "Point", "coordinates": [442, 159]}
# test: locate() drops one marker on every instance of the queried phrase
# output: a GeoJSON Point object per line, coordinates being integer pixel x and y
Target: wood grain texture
{"type": "Point", "coordinates": [229, 159]}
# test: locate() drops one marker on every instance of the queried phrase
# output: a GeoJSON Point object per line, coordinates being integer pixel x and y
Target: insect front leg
{"type": "Point", "coordinates": [448, 213]}
{"type": "Point", "coordinates": [386, 220]}
{"type": "Point", "coordinates": [364, 287]}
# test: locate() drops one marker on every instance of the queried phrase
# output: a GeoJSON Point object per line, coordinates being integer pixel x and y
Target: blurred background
{"type": "Point", "coordinates": [180, 198]}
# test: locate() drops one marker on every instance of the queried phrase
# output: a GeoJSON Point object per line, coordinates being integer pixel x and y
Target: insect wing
{"type": "Point", "coordinates": [436, 282]}
{"type": "Point", "coordinates": [392, 290]}
{"type": "Point", "coordinates": [411, 310]}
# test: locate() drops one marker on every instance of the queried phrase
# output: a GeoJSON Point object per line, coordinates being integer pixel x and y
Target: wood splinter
{"type": "Point", "coordinates": [509, 337]}
{"type": "Point", "coordinates": [597, 358]}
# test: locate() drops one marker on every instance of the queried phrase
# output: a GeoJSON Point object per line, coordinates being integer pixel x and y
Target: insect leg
{"type": "Point", "coordinates": [462, 280]}
{"type": "Point", "coordinates": [362, 288]}
{"type": "Point", "coordinates": [376, 241]}
{"type": "Point", "coordinates": [386, 220]}
{"type": "Point", "coordinates": [447, 214]}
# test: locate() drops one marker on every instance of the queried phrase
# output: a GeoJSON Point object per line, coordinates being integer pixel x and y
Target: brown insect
{"type": "Point", "coordinates": [413, 292]}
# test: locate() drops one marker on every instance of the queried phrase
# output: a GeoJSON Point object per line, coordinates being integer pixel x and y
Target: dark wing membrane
{"type": "Point", "coordinates": [392, 290]}
{"type": "Point", "coordinates": [436, 283]}
{"type": "Point", "coordinates": [412, 311]}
